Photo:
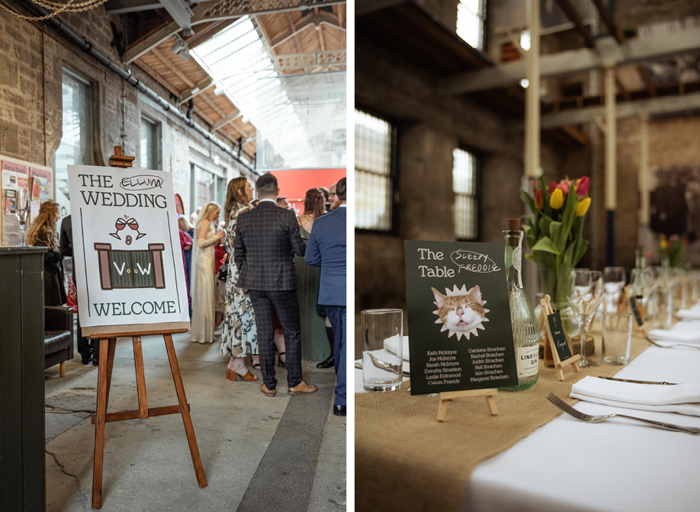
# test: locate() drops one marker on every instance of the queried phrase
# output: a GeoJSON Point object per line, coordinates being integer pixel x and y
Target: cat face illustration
{"type": "Point", "coordinates": [460, 312]}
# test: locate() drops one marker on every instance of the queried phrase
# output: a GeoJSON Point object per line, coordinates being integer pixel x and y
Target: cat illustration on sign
{"type": "Point", "coordinates": [460, 312]}
{"type": "Point", "coordinates": [121, 223]}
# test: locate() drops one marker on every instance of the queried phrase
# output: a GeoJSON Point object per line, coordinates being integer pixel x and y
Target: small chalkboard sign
{"type": "Point", "coordinates": [559, 336]}
{"type": "Point", "coordinates": [636, 312]}
{"type": "Point", "coordinates": [559, 341]}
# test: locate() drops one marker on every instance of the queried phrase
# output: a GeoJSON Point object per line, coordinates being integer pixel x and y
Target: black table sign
{"type": "Point", "coordinates": [560, 342]}
{"type": "Point", "coordinates": [635, 311]}
{"type": "Point", "coordinates": [460, 334]}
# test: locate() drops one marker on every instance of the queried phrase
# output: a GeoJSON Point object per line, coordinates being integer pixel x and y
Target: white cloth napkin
{"type": "Point", "coordinates": [689, 314]}
{"type": "Point", "coordinates": [681, 398]}
{"type": "Point", "coordinates": [679, 333]}
{"type": "Point", "coordinates": [392, 345]}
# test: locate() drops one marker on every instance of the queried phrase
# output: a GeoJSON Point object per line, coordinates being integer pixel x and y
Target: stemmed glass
{"type": "Point", "coordinates": [22, 213]}
{"type": "Point", "coordinates": [585, 292]}
{"type": "Point", "coordinates": [614, 278]}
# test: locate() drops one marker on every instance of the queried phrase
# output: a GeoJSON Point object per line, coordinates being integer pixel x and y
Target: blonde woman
{"type": "Point", "coordinates": [43, 232]}
{"type": "Point", "coordinates": [203, 284]}
{"type": "Point", "coordinates": [240, 335]}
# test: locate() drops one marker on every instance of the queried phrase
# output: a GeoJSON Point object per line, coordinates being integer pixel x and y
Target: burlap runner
{"type": "Point", "coordinates": [405, 460]}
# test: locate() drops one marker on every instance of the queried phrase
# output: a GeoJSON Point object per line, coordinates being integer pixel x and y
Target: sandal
{"type": "Point", "coordinates": [279, 360]}
{"type": "Point", "coordinates": [256, 366]}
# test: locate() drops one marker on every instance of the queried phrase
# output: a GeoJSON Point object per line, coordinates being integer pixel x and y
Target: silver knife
{"type": "Point", "coordinates": [640, 381]}
{"type": "Point", "coordinates": [386, 366]}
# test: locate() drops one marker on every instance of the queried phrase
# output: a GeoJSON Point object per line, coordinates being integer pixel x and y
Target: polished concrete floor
{"type": "Point", "coordinates": [259, 453]}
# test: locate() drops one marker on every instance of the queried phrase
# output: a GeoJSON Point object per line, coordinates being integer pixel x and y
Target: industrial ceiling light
{"type": "Point", "coordinates": [180, 48]}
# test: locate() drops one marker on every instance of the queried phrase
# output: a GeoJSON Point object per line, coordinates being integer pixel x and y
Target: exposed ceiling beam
{"type": "Point", "coordinates": [221, 113]}
{"type": "Point", "coordinates": [608, 21]}
{"type": "Point", "coordinates": [571, 13]}
{"type": "Point", "coordinates": [126, 6]}
{"type": "Point", "coordinates": [574, 61]}
{"type": "Point", "coordinates": [162, 81]}
{"type": "Point", "coordinates": [181, 13]}
{"type": "Point", "coordinates": [646, 79]}
{"type": "Point", "coordinates": [294, 32]}
{"type": "Point", "coordinates": [205, 12]}
{"type": "Point", "coordinates": [226, 120]}
{"type": "Point", "coordinates": [653, 106]}
{"type": "Point", "coordinates": [196, 91]}
{"type": "Point", "coordinates": [207, 33]}
{"type": "Point", "coordinates": [172, 67]}
{"type": "Point", "coordinates": [363, 7]}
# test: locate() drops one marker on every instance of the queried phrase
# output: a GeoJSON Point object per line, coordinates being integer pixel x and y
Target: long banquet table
{"type": "Point", "coordinates": [529, 457]}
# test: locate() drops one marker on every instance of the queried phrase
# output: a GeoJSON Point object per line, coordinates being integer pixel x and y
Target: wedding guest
{"type": "Point", "coordinates": [327, 248]}
{"type": "Point", "coordinates": [203, 279]}
{"type": "Point", "coordinates": [43, 232]}
{"type": "Point", "coordinates": [265, 240]}
{"type": "Point", "coordinates": [333, 200]}
{"type": "Point", "coordinates": [313, 318]}
{"type": "Point", "coordinates": [186, 246]}
{"type": "Point", "coordinates": [282, 202]}
{"type": "Point", "coordinates": [240, 337]}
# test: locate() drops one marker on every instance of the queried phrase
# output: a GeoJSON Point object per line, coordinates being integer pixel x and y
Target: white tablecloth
{"type": "Point", "coordinates": [618, 465]}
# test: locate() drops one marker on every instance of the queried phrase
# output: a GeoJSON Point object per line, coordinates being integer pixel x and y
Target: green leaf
{"type": "Point", "coordinates": [545, 245]}
{"type": "Point", "coordinates": [569, 256]}
{"type": "Point", "coordinates": [529, 200]}
{"type": "Point", "coordinates": [581, 246]}
{"type": "Point", "coordinates": [555, 235]}
{"type": "Point", "coordinates": [544, 226]}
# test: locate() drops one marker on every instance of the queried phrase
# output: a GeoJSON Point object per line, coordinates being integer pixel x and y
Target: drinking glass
{"type": "Point", "coordinates": [617, 338]}
{"type": "Point", "coordinates": [585, 292]}
{"type": "Point", "coordinates": [22, 214]}
{"type": "Point", "coordinates": [614, 278]}
{"type": "Point", "coordinates": [379, 325]}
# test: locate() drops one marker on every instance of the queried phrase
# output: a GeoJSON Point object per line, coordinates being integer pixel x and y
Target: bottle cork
{"type": "Point", "coordinates": [514, 224]}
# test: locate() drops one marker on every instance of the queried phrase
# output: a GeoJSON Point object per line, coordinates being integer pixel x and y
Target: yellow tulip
{"type": "Point", "coordinates": [582, 207]}
{"type": "Point", "coordinates": [557, 199]}
{"type": "Point", "coordinates": [663, 243]}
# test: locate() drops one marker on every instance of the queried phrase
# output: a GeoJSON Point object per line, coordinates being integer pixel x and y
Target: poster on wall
{"type": "Point", "coordinates": [14, 178]}
{"type": "Point", "coordinates": [674, 210]}
{"type": "Point", "coordinates": [126, 247]}
{"type": "Point", "coordinates": [458, 317]}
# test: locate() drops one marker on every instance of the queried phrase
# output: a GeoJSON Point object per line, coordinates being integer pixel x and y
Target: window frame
{"type": "Point", "coordinates": [478, 167]}
{"type": "Point", "coordinates": [157, 143]}
{"type": "Point", "coordinates": [393, 172]}
{"type": "Point", "coordinates": [484, 26]}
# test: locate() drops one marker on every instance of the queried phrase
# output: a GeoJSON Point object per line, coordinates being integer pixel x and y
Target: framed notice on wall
{"type": "Point", "coordinates": [458, 317]}
{"type": "Point", "coordinates": [126, 246]}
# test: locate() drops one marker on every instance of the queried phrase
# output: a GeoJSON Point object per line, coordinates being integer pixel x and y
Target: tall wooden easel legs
{"type": "Point", "coordinates": [107, 348]}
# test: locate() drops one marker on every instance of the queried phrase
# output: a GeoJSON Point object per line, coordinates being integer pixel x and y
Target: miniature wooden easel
{"type": "Point", "coordinates": [549, 340]}
{"type": "Point", "coordinates": [108, 342]}
{"type": "Point", "coordinates": [474, 393]}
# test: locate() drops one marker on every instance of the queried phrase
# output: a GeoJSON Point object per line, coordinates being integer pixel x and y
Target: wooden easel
{"type": "Point", "coordinates": [108, 342]}
{"type": "Point", "coordinates": [549, 340]}
{"type": "Point", "coordinates": [474, 393]}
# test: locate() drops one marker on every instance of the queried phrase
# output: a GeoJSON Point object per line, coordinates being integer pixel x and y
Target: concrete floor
{"type": "Point", "coordinates": [259, 453]}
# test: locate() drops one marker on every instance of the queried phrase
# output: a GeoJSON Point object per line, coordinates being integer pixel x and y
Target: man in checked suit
{"type": "Point", "coordinates": [327, 249]}
{"type": "Point", "coordinates": [267, 237]}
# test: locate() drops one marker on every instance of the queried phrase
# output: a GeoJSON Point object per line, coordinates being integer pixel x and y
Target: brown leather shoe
{"type": "Point", "coordinates": [267, 392]}
{"type": "Point", "coordinates": [248, 377]}
{"type": "Point", "coordinates": [302, 388]}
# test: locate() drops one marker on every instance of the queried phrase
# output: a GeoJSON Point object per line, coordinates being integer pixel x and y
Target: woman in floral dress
{"type": "Point", "coordinates": [239, 337]}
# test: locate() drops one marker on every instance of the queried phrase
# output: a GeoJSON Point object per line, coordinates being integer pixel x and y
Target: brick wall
{"type": "Point", "coordinates": [33, 58]}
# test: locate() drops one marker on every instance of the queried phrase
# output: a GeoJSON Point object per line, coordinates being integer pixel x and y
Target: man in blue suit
{"type": "Point", "coordinates": [327, 249]}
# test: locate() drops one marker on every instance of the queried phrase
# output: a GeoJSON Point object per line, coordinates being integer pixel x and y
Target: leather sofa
{"type": "Point", "coordinates": [58, 336]}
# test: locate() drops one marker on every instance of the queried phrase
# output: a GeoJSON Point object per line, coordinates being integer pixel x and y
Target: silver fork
{"type": "Point", "coordinates": [602, 417]}
{"type": "Point", "coordinates": [670, 346]}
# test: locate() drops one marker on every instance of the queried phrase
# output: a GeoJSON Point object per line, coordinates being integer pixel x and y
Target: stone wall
{"type": "Point", "coordinates": [33, 58]}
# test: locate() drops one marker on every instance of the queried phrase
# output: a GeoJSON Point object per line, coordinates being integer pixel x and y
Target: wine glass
{"type": "Point", "coordinates": [585, 292]}
{"type": "Point", "coordinates": [22, 214]}
{"type": "Point", "coordinates": [614, 278]}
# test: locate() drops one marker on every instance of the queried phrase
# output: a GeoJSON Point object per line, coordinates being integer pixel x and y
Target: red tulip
{"type": "Point", "coordinates": [583, 186]}
{"type": "Point", "coordinates": [539, 199]}
{"type": "Point", "coordinates": [564, 187]}
{"type": "Point", "coordinates": [552, 186]}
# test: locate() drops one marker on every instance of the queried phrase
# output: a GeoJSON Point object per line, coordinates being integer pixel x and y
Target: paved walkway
{"type": "Point", "coordinates": [274, 454]}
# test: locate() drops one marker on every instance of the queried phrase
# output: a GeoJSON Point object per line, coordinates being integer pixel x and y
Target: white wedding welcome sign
{"type": "Point", "coordinates": [126, 247]}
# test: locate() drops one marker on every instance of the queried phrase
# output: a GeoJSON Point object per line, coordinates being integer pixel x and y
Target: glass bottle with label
{"type": "Point", "coordinates": [526, 333]}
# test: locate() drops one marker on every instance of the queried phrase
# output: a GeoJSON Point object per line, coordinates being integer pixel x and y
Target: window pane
{"type": "Point", "coordinates": [373, 186]}
{"type": "Point", "coordinates": [149, 144]}
{"type": "Point", "coordinates": [464, 185]}
{"type": "Point", "coordinates": [204, 187]}
{"type": "Point", "coordinates": [76, 140]}
{"type": "Point", "coordinates": [470, 22]}
{"type": "Point", "coordinates": [372, 201]}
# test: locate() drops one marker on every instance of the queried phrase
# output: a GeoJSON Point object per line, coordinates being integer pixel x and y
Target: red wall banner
{"type": "Point", "coordinates": [294, 184]}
